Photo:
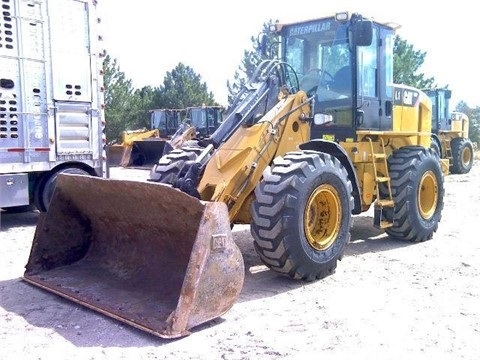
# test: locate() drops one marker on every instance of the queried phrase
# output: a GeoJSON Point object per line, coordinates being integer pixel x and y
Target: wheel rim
{"type": "Point", "coordinates": [466, 156]}
{"type": "Point", "coordinates": [428, 195]}
{"type": "Point", "coordinates": [322, 217]}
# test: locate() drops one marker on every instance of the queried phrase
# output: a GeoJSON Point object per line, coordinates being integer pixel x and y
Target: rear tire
{"type": "Point", "coordinates": [462, 156]}
{"type": "Point", "coordinates": [301, 215]}
{"type": "Point", "coordinates": [418, 190]}
{"type": "Point", "coordinates": [45, 186]}
{"type": "Point", "coordinates": [436, 147]}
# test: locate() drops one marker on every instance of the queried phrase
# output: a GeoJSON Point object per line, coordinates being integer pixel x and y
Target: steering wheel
{"type": "Point", "coordinates": [315, 77]}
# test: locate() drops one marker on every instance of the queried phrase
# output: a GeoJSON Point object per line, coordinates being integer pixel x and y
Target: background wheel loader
{"type": "Point", "coordinates": [171, 128]}
{"type": "Point", "coordinates": [339, 142]}
{"type": "Point", "coordinates": [199, 123]}
{"type": "Point", "coordinates": [127, 152]}
{"type": "Point", "coordinates": [450, 132]}
{"type": "Point", "coordinates": [143, 147]}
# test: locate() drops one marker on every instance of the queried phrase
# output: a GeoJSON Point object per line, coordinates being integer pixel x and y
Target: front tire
{"type": "Point", "coordinates": [462, 156]}
{"type": "Point", "coordinates": [170, 166]}
{"type": "Point", "coordinates": [418, 190]}
{"type": "Point", "coordinates": [301, 215]}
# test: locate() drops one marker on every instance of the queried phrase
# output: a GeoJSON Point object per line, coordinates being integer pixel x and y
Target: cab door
{"type": "Point", "coordinates": [374, 87]}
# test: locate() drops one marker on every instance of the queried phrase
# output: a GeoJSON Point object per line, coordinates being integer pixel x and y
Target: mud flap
{"type": "Point", "coordinates": [143, 253]}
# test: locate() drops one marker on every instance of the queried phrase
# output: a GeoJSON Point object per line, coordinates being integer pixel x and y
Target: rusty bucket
{"type": "Point", "coordinates": [143, 253]}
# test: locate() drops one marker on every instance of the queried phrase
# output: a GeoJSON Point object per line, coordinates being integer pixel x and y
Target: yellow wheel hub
{"type": "Point", "coordinates": [322, 217]}
{"type": "Point", "coordinates": [428, 195]}
{"type": "Point", "coordinates": [466, 156]}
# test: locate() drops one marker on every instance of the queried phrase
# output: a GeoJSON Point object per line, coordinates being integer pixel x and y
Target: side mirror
{"type": "Point", "coordinates": [362, 33]}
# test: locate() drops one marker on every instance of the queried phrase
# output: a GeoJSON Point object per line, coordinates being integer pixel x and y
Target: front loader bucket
{"type": "Point", "coordinates": [143, 253]}
{"type": "Point", "coordinates": [147, 152]}
{"type": "Point", "coordinates": [115, 154]}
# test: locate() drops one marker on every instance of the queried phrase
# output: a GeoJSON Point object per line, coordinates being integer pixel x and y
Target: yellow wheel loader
{"type": "Point", "coordinates": [450, 132]}
{"type": "Point", "coordinates": [143, 147]}
{"type": "Point", "coordinates": [340, 139]}
{"type": "Point", "coordinates": [126, 153]}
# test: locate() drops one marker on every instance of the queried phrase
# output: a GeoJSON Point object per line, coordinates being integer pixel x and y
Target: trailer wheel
{"type": "Point", "coordinates": [418, 190]}
{"type": "Point", "coordinates": [44, 187]}
{"type": "Point", "coordinates": [170, 166]}
{"type": "Point", "coordinates": [301, 215]}
{"type": "Point", "coordinates": [462, 156]}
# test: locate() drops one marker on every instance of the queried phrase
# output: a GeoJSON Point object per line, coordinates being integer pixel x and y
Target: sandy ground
{"type": "Point", "coordinates": [387, 300]}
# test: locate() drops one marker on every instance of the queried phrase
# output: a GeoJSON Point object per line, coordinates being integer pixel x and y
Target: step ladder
{"type": "Point", "coordinates": [448, 149]}
{"type": "Point", "coordinates": [383, 200]}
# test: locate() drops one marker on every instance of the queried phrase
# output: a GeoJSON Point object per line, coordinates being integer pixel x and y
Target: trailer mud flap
{"type": "Point", "coordinates": [142, 253]}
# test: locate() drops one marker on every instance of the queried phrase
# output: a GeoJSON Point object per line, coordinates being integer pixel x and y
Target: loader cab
{"type": "Point", "coordinates": [441, 119]}
{"type": "Point", "coordinates": [166, 121]}
{"type": "Point", "coordinates": [346, 64]}
{"type": "Point", "coordinates": [205, 119]}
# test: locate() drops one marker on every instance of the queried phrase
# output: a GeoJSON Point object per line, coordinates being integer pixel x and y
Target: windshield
{"type": "Point", "coordinates": [320, 54]}
{"type": "Point", "coordinates": [198, 118]}
{"type": "Point", "coordinates": [165, 120]}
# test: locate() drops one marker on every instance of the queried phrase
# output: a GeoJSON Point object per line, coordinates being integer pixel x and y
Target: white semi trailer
{"type": "Point", "coordinates": [51, 97]}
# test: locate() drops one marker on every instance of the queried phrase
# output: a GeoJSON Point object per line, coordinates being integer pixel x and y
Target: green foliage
{"type": "Point", "coordinates": [122, 106]}
{"type": "Point", "coordinates": [144, 99]}
{"type": "Point", "coordinates": [183, 88]}
{"type": "Point", "coordinates": [474, 120]}
{"type": "Point", "coordinates": [129, 109]}
{"type": "Point", "coordinates": [406, 64]}
{"type": "Point", "coordinates": [251, 59]}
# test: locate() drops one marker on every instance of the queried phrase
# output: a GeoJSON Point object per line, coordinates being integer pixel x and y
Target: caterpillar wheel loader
{"type": "Point", "coordinates": [450, 132]}
{"type": "Point", "coordinates": [200, 122]}
{"type": "Point", "coordinates": [127, 153]}
{"type": "Point", "coordinates": [144, 147]}
{"type": "Point", "coordinates": [337, 143]}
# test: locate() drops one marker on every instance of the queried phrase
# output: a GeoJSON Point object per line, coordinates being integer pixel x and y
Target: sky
{"type": "Point", "coordinates": [151, 37]}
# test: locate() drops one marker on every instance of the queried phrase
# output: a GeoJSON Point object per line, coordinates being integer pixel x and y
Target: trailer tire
{"type": "Point", "coordinates": [418, 191]}
{"type": "Point", "coordinates": [301, 215]}
{"type": "Point", "coordinates": [45, 186]}
{"type": "Point", "coordinates": [462, 156]}
{"type": "Point", "coordinates": [170, 166]}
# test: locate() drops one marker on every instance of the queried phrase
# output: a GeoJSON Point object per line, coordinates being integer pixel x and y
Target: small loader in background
{"type": "Point", "coordinates": [143, 147]}
{"type": "Point", "coordinates": [339, 139]}
{"type": "Point", "coordinates": [171, 128]}
{"type": "Point", "coordinates": [450, 132]}
{"type": "Point", "coordinates": [128, 152]}
{"type": "Point", "coordinates": [199, 122]}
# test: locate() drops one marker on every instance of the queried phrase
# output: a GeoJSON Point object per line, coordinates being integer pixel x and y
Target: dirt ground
{"type": "Point", "coordinates": [387, 300]}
